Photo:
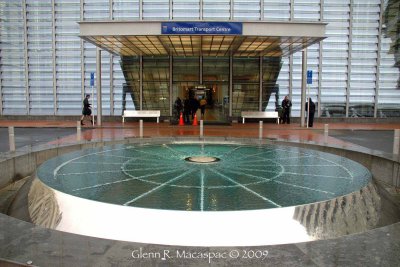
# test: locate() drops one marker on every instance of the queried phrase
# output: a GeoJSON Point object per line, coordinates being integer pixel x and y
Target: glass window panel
{"type": "Point", "coordinates": [130, 89]}
{"type": "Point", "coordinates": [186, 69]}
{"type": "Point", "coordinates": [271, 90]}
{"type": "Point", "coordinates": [117, 91]}
{"type": "Point", "coordinates": [68, 58]}
{"type": "Point", "coordinates": [277, 10]}
{"type": "Point", "coordinates": [12, 63]}
{"type": "Point", "coordinates": [156, 84]}
{"type": "Point", "coordinates": [216, 69]}
{"type": "Point", "coordinates": [126, 9]}
{"type": "Point", "coordinates": [246, 85]}
{"type": "Point", "coordinates": [216, 9]}
{"type": "Point", "coordinates": [335, 58]}
{"type": "Point", "coordinates": [246, 10]}
{"type": "Point", "coordinates": [156, 9]}
{"type": "Point", "coordinates": [363, 58]}
{"type": "Point", "coordinates": [308, 10]}
{"type": "Point", "coordinates": [96, 9]}
{"type": "Point", "coordinates": [186, 9]}
{"type": "Point", "coordinates": [40, 58]}
{"type": "Point", "coordinates": [389, 87]}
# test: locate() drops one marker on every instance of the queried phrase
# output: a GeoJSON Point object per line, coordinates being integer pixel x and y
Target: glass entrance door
{"type": "Point", "coordinates": [217, 107]}
{"type": "Point", "coordinates": [216, 81]}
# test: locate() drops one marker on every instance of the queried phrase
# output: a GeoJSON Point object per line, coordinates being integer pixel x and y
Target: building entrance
{"type": "Point", "coordinates": [205, 81]}
{"type": "Point", "coordinates": [240, 65]}
{"type": "Point", "coordinates": [213, 102]}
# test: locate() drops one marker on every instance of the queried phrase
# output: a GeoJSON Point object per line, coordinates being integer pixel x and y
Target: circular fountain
{"type": "Point", "coordinates": [217, 194]}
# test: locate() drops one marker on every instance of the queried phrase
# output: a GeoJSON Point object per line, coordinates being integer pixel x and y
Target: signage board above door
{"type": "Point", "coordinates": [203, 28]}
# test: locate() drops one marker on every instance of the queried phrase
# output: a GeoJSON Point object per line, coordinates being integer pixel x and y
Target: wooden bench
{"type": "Point", "coordinates": [141, 114]}
{"type": "Point", "coordinates": [261, 115]}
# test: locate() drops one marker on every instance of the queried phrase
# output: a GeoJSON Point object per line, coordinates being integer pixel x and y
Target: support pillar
{"type": "Point", "coordinates": [260, 93]}
{"type": "Point", "coordinates": [98, 86]}
{"type": "Point", "coordinates": [303, 87]}
{"type": "Point", "coordinates": [171, 97]}
{"type": "Point", "coordinates": [230, 85]}
{"type": "Point", "coordinates": [141, 83]}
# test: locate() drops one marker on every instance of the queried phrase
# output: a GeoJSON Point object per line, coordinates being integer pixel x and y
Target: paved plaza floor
{"type": "Point", "coordinates": [372, 136]}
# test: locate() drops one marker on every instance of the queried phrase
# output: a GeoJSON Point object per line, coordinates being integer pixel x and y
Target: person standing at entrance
{"type": "Point", "coordinates": [311, 113]}
{"type": "Point", "coordinates": [194, 104]}
{"type": "Point", "coordinates": [186, 110]}
{"type": "Point", "coordinates": [178, 107]}
{"type": "Point", "coordinates": [87, 110]}
{"type": "Point", "coordinates": [203, 103]}
{"type": "Point", "coordinates": [286, 106]}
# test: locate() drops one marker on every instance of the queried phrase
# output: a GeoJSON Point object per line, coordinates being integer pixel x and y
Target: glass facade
{"type": "Point", "coordinates": [45, 67]}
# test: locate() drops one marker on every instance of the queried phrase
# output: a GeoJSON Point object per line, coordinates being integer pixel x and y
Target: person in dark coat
{"type": "Point", "coordinates": [87, 109]}
{"type": "Point", "coordinates": [194, 104]}
{"type": "Point", "coordinates": [286, 107]}
{"type": "Point", "coordinates": [178, 107]}
{"type": "Point", "coordinates": [311, 113]}
{"type": "Point", "coordinates": [187, 109]}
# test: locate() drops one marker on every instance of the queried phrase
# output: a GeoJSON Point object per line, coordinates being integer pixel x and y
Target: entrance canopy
{"type": "Point", "coordinates": [239, 39]}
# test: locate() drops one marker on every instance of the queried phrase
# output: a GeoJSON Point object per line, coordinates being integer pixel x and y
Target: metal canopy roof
{"type": "Point", "coordinates": [258, 39]}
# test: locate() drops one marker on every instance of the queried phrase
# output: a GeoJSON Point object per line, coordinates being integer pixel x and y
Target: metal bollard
{"type": "Point", "coordinates": [141, 128]}
{"type": "Point", "coordinates": [260, 129]}
{"type": "Point", "coordinates": [78, 130]}
{"type": "Point", "coordinates": [396, 141]}
{"type": "Point", "coordinates": [201, 128]}
{"type": "Point", "coordinates": [326, 132]}
{"type": "Point", "coordinates": [11, 138]}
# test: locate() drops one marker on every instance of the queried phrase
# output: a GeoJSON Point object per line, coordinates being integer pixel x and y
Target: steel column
{"type": "Point", "coordinates": [201, 69]}
{"type": "Point", "coordinates": [171, 99]}
{"type": "Point", "coordinates": [53, 46]}
{"type": "Point", "coordinates": [303, 86]}
{"type": "Point", "coordinates": [98, 86]}
{"type": "Point", "coordinates": [140, 9]}
{"type": "Point", "coordinates": [201, 10]}
{"type": "Point", "coordinates": [111, 66]}
{"type": "Point", "coordinates": [291, 56]}
{"type": "Point", "coordinates": [320, 55]}
{"type": "Point", "coordinates": [378, 60]}
{"type": "Point", "coordinates": [1, 96]}
{"type": "Point", "coordinates": [349, 59]}
{"type": "Point", "coordinates": [231, 10]}
{"type": "Point", "coordinates": [27, 97]}
{"type": "Point", "coordinates": [260, 84]}
{"type": "Point", "coordinates": [230, 84]}
{"type": "Point", "coordinates": [141, 82]}
{"type": "Point", "coordinates": [82, 62]}
{"type": "Point", "coordinates": [291, 10]}
{"type": "Point", "coordinates": [170, 9]}
{"type": "Point", "coordinates": [290, 77]}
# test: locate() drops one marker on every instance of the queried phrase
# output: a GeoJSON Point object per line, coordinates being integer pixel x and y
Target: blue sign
{"type": "Point", "coordinates": [223, 28]}
{"type": "Point", "coordinates": [92, 79]}
{"type": "Point", "coordinates": [309, 77]}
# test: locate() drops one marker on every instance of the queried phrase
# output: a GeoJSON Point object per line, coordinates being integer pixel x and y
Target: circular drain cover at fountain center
{"type": "Point", "coordinates": [202, 159]}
